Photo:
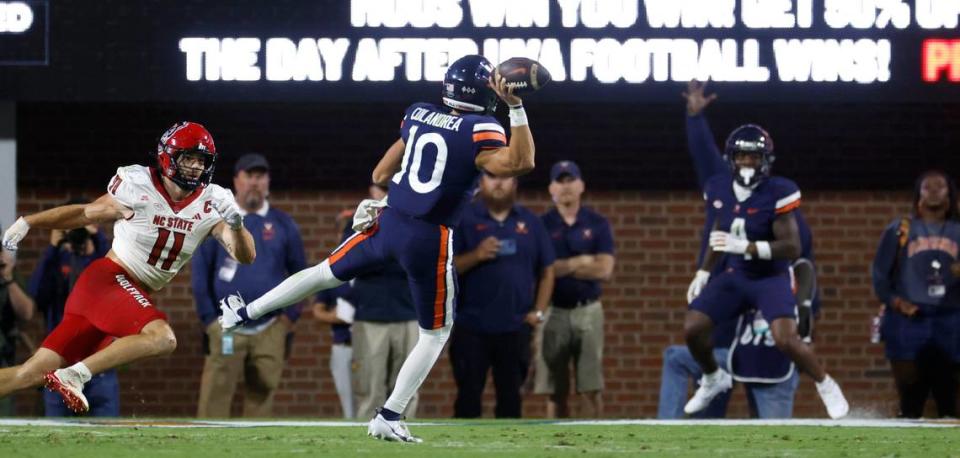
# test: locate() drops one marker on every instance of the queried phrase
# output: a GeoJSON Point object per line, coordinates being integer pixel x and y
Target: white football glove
{"type": "Point", "coordinates": [367, 213]}
{"type": "Point", "coordinates": [696, 286]}
{"type": "Point", "coordinates": [232, 312]}
{"type": "Point", "coordinates": [229, 210]}
{"type": "Point", "coordinates": [15, 233]}
{"type": "Point", "coordinates": [725, 242]}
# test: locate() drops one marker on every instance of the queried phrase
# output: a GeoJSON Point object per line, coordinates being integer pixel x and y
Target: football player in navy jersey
{"type": "Point", "coordinates": [430, 171]}
{"type": "Point", "coordinates": [769, 375]}
{"type": "Point", "coordinates": [756, 227]}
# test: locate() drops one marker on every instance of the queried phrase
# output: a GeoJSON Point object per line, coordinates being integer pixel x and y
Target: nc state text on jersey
{"type": "Point", "coordinates": [173, 222]}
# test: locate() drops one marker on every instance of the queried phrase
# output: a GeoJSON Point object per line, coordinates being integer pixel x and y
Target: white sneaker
{"type": "Point", "coordinates": [833, 399]}
{"type": "Point", "coordinates": [66, 382]}
{"type": "Point", "coordinates": [230, 307]}
{"type": "Point", "coordinates": [397, 431]}
{"type": "Point", "coordinates": [710, 386]}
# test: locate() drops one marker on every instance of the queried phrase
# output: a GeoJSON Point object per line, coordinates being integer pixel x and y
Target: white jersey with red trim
{"type": "Point", "coordinates": [162, 235]}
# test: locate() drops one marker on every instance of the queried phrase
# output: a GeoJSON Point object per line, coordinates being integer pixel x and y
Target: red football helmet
{"type": "Point", "coordinates": [186, 137]}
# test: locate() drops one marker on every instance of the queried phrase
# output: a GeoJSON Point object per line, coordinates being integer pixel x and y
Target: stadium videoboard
{"type": "Point", "coordinates": [596, 50]}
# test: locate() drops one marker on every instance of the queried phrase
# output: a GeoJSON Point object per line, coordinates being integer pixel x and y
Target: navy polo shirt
{"type": "Point", "coordinates": [589, 234]}
{"type": "Point", "coordinates": [280, 253]}
{"type": "Point", "coordinates": [496, 295]}
{"type": "Point", "coordinates": [381, 294]}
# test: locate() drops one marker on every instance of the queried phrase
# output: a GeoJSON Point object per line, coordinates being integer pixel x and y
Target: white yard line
{"type": "Point", "coordinates": [173, 423]}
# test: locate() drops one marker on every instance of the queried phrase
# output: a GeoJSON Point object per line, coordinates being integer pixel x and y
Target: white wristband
{"type": "Point", "coordinates": [763, 250]}
{"type": "Point", "coordinates": [518, 117]}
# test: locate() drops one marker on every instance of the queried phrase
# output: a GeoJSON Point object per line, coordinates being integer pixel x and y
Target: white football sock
{"type": "Point", "coordinates": [83, 371]}
{"type": "Point", "coordinates": [416, 367]}
{"type": "Point", "coordinates": [294, 289]}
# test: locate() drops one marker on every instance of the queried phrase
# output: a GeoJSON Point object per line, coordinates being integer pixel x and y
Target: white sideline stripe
{"type": "Point", "coordinates": [129, 423]}
{"type": "Point", "coordinates": [856, 423]}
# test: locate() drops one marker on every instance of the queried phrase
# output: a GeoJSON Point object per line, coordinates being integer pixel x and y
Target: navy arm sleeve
{"type": "Point", "coordinates": [707, 159]}
{"type": "Point", "coordinates": [201, 280]}
{"type": "Point", "coordinates": [883, 264]}
{"type": "Point", "coordinates": [296, 260]}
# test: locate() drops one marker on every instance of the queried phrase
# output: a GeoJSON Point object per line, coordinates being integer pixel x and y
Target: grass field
{"type": "Point", "coordinates": [141, 438]}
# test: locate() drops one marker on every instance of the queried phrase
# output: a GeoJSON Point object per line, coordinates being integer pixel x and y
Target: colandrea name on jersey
{"type": "Point", "coordinates": [161, 236]}
{"type": "Point", "coordinates": [438, 170]}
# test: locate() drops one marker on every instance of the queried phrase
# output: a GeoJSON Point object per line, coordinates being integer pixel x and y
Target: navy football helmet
{"type": "Point", "coordinates": [749, 138]}
{"type": "Point", "coordinates": [465, 85]}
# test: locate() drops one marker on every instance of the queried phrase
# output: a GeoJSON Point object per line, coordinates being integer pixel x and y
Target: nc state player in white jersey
{"type": "Point", "coordinates": [160, 216]}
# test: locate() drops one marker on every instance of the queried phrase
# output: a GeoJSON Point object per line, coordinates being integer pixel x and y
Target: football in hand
{"type": "Point", "coordinates": [525, 75]}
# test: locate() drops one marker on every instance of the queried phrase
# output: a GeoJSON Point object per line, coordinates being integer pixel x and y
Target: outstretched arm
{"type": "Point", "coordinates": [104, 210]}
{"type": "Point", "coordinates": [707, 158]}
{"type": "Point", "coordinates": [517, 158]}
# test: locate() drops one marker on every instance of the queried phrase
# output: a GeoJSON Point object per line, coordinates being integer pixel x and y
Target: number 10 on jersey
{"type": "Point", "coordinates": [417, 145]}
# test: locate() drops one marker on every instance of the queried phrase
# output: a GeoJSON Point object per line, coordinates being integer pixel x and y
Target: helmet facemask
{"type": "Point", "coordinates": [185, 142]}
{"type": "Point", "coordinates": [753, 140]}
{"type": "Point", "coordinates": [750, 177]}
{"type": "Point", "coordinates": [181, 175]}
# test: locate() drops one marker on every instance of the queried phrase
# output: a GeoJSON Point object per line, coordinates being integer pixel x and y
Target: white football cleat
{"type": "Point", "coordinates": [66, 382]}
{"type": "Point", "coordinates": [396, 431]}
{"type": "Point", "coordinates": [230, 312]}
{"type": "Point", "coordinates": [710, 386]}
{"type": "Point", "coordinates": [833, 400]}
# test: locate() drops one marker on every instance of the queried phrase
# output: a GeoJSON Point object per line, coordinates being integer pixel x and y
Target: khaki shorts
{"type": "Point", "coordinates": [570, 334]}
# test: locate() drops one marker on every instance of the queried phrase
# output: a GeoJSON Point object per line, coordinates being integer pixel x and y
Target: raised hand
{"type": "Point", "coordinates": [696, 100]}
{"type": "Point", "coordinates": [499, 85]}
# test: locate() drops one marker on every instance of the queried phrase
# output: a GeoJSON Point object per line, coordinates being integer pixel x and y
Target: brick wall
{"type": "Point", "coordinates": [656, 239]}
{"type": "Point", "coordinates": [847, 158]}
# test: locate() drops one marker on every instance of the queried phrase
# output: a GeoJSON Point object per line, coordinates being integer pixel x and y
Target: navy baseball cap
{"type": "Point", "coordinates": [564, 168]}
{"type": "Point", "coordinates": [251, 161]}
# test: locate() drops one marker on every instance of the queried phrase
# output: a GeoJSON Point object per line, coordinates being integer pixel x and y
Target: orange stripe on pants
{"type": "Point", "coordinates": [350, 244]}
{"type": "Point", "coordinates": [439, 303]}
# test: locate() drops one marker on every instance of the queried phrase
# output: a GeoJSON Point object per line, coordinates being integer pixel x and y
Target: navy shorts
{"type": "Point", "coordinates": [904, 337]}
{"type": "Point", "coordinates": [728, 294]}
{"type": "Point", "coordinates": [424, 250]}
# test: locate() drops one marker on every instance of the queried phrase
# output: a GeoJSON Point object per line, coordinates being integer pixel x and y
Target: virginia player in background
{"type": "Point", "coordinates": [755, 225]}
{"type": "Point", "coordinates": [915, 274]}
{"type": "Point", "coordinates": [160, 216]}
{"type": "Point", "coordinates": [431, 170]}
{"type": "Point", "coordinates": [769, 374]}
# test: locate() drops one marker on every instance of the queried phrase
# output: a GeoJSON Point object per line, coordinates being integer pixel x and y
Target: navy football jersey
{"type": "Point", "coordinates": [753, 218]}
{"type": "Point", "coordinates": [438, 168]}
